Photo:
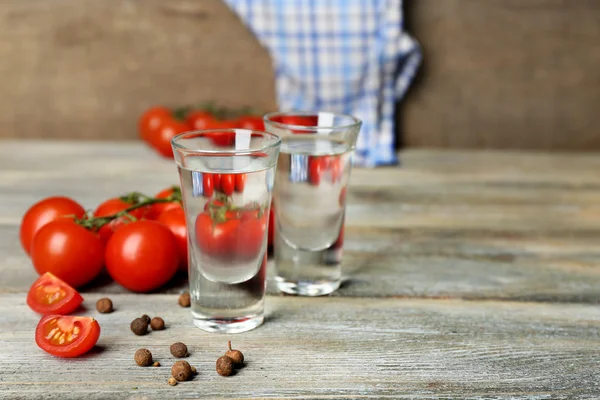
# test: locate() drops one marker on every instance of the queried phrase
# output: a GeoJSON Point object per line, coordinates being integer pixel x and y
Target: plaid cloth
{"type": "Point", "coordinates": [348, 56]}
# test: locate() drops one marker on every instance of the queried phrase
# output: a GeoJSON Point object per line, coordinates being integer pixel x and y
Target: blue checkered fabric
{"type": "Point", "coordinates": [348, 56]}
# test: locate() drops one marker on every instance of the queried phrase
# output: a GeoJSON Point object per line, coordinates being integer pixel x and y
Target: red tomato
{"type": "Point", "coordinates": [227, 184]}
{"type": "Point", "coordinates": [151, 120]}
{"type": "Point", "coordinates": [314, 170]}
{"type": "Point", "coordinates": [207, 185]}
{"type": "Point", "coordinates": [339, 243]}
{"type": "Point", "coordinates": [65, 336]}
{"type": "Point", "coordinates": [224, 138]}
{"type": "Point", "coordinates": [69, 251]}
{"type": "Point", "coordinates": [158, 208]}
{"type": "Point", "coordinates": [43, 212]}
{"type": "Point", "coordinates": [298, 120]}
{"type": "Point", "coordinates": [142, 256]}
{"type": "Point", "coordinates": [161, 140]}
{"type": "Point", "coordinates": [217, 181]}
{"type": "Point", "coordinates": [114, 206]}
{"type": "Point", "coordinates": [240, 182]}
{"type": "Point", "coordinates": [174, 219]}
{"type": "Point", "coordinates": [271, 227]}
{"type": "Point", "coordinates": [50, 295]}
{"type": "Point", "coordinates": [251, 122]}
{"type": "Point", "coordinates": [250, 237]}
{"type": "Point", "coordinates": [198, 120]}
{"type": "Point", "coordinates": [216, 239]}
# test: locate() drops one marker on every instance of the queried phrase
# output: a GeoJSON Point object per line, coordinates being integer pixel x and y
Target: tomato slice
{"type": "Point", "coordinates": [66, 336]}
{"type": "Point", "coordinates": [51, 295]}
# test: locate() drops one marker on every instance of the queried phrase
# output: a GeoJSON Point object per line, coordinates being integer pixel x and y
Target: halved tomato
{"type": "Point", "coordinates": [66, 336]}
{"type": "Point", "coordinates": [51, 295]}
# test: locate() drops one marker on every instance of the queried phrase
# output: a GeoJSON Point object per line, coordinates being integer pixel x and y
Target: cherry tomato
{"type": "Point", "coordinates": [339, 243]}
{"type": "Point", "coordinates": [50, 295]}
{"type": "Point", "coordinates": [142, 255]}
{"type": "Point", "coordinates": [198, 120]}
{"type": "Point", "coordinates": [271, 227]}
{"type": "Point", "coordinates": [342, 198]}
{"type": "Point", "coordinates": [227, 184]}
{"type": "Point", "coordinates": [216, 239]}
{"type": "Point", "coordinates": [314, 170]}
{"type": "Point", "coordinates": [250, 237]}
{"type": "Point", "coordinates": [69, 251]}
{"type": "Point", "coordinates": [174, 219]}
{"type": "Point", "coordinates": [158, 208]}
{"type": "Point", "coordinates": [251, 122]}
{"type": "Point", "coordinates": [161, 139]}
{"type": "Point", "coordinates": [151, 120]}
{"type": "Point", "coordinates": [66, 336]}
{"type": "Point", "coordinates": [207, 185]}
{"type": "Point", "coordinates": [240, 182]}
{"type": "Point", "coordinates": [43, 212]}
{"type": "Point", "coordinates": [223, 138]}
{"type": "Point", "coordinates": [213, 203]}
{"type": "Point", "coordinates": [113, 206]}
{"type": "Point", "coordinates": [298, 120]}
{"type": "Point", "coordinates": [217, 181]}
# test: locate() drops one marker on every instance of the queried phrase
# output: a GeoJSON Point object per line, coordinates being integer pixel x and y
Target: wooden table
{"type": "Point", "coordinates": [468, 275]}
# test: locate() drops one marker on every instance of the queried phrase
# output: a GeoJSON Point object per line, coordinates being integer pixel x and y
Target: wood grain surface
{"type": "Point", "coordinates": [505, 74]}
{"type": "Point", "coordinates": [323, 348]}
{"type": "Point", "coordinates": [471, 225]}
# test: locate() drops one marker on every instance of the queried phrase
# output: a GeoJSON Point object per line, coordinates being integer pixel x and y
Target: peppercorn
{"type": "Point", "coordinates": [146, 319]}
{"type": "Point", "coordinates": [224, 366]}
{"type": "Point", "coordinates": [194, 371]}
{"type": "Point", "coordinates": [179, 350]}
{"type": "Point", "coordinates": [139, 327]}
{"type": "Point", "coordinates": [184, 299]}
{"type": "Point", "coordinates": [157, 324]}
{"type": "Point", "coordinates": [236, 356]}
{"type": "Point", "coordinates": [181, 370]}
{"type": "Point", "coordinates": [172, 381]}
{"type": "Point", "coordinates": [156, 364]}
{"type": "Point", "coordinates": [143, 357]}
{"type": "Point", "coordinates": [104, 305]}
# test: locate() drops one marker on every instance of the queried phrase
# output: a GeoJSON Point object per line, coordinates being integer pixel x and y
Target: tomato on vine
{"type": "Point", "coordinates": [43, 212]}
{"type": "Point", "coordinates": [69, 251]}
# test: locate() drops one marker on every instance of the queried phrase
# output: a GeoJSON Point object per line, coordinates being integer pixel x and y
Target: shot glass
{"type": "Point", "coordinates": [227, 177]}
{"type": "Point", "coordinates": [310, 198]}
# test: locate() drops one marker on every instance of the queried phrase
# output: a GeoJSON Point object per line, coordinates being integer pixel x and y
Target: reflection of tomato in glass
{"type": "Point", "coordinates": [230, 234]}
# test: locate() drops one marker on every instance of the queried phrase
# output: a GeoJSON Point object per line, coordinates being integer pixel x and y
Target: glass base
{"type": "Point", "coordinates": [304, 288]}
{"type": "Point", "coordinates": [228, 325]}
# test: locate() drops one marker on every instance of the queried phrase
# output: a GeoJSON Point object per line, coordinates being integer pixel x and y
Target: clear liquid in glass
{"type": "Point", "coordinates": [311, 180]}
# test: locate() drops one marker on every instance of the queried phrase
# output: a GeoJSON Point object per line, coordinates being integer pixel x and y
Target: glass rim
{"type": "Point", "coordinates": [203, 132]}
{"type": "Point", "coordinates": [267, 118]}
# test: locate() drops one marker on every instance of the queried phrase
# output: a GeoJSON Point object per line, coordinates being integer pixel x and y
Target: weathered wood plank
{"type": "Point", "coordinates": [446, 224]}
{"type": "Point", "coordinates": [323, 348]}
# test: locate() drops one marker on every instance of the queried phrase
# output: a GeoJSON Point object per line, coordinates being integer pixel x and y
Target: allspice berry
{"type": "Point", "coordinates": [179, 350]}
{"type": "Point", "coordinates": [181, 370]}
{"type": "Point", "coordinates": [104, 305]}
{"type": "Point", "coordinates": [157, 324]}
{"type": "Point", "coordinates": [156, 364]}
{"type": "Point", "coordinates": [143, 357]}
{"type": "Point", "coordinates": [236, 356]}
{"type": "Point", "coordinates": [184, 299]}
{"type": "Point", "coordinates": [139, 327]}
{"type": "Point", "coordinates": [146, 319]}
{"type": "Point", "coordinates": [224, 366]}
{"type": "Point", "coordinates": [172, 381]}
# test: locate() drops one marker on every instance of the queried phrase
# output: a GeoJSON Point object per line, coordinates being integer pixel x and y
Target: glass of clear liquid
{"type": "Point", "coordinates": [309, 198]}
{"type": "Point", "coordinates": [227, 177]}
